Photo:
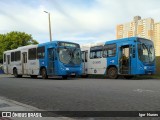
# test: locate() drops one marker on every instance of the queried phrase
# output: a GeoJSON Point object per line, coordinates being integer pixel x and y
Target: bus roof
{"type": "Point", "coordinates": [55, 41]}
{"type": "Point", "coordinates": [41, 44]}
{"type": "Point", "coordinates": [26, 47]}
{"type": "Point", "coordinates": [20, 48]}
{"type": "Point", "coordinates": [123, 40]}
{"type": "Point", "coordinates": [8, 51]}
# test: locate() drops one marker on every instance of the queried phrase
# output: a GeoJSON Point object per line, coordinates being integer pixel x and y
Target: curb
{"type": "Point", "coordinates": [7, 105]}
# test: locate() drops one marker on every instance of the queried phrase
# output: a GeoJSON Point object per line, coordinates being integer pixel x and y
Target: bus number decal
{"type": "Point", "coordinates": [96, 62]}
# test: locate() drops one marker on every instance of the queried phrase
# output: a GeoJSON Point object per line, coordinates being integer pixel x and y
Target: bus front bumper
{"type": "Point", "coordinates": [71, 71]}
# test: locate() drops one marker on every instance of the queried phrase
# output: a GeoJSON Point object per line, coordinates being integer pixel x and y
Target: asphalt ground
{"type": "Point", "coordinates": [77, 94]}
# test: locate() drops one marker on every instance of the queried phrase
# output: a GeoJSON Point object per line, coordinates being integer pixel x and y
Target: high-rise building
{"type": "Point", "coordinates": [145, 28]}
{"type": "Point", "coordinates": [138, 27]}
{"type": "Point", "coordinates": [157, 38]}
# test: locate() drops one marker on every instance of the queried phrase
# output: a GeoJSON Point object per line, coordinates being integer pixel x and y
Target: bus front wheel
{"type": "Point", "coordinates": [112, 73]}
{"type": "Point", "coordinates": [44, 73]}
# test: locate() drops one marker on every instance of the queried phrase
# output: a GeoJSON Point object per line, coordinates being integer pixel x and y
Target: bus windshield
{"type": "Point", "coordinates": [146, 51]}
{"type": "Point", "coordinates": [69, 55]}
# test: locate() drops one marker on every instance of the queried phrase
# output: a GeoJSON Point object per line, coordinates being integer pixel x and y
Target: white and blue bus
{"type": "Point", "coordinates": [126, 57]}
{"type": "Point", "coordinates": [56, 58]}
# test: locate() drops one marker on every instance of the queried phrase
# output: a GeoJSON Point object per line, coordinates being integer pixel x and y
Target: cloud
{"type": "Point", "coordinates": [79, 21]}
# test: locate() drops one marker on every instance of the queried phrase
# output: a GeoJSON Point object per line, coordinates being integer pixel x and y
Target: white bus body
{"type": "Point", "coordinates": [92, 66]}
{"type": "Point", "coordinates": [22, 64]}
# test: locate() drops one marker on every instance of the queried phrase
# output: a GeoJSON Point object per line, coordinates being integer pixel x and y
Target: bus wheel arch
{"type": "Point", "coordinates": [112, 72]}
{"type": "Point", "coordinates": [43, 72]}
{"type": "Point", "coordinates": [15, 73]}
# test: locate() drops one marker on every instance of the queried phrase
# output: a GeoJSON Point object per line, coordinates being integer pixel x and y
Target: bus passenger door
{"type": "Point", "coordinates": [125, 60]}
{"type": "Point", "coordinates": [84, 62]}
{"type": "Point", "coordinates": [51, 61]}
{"type": "Point", "coordinates": [8, 63]}
{"type": "Point", "coordinates": [24, 63]}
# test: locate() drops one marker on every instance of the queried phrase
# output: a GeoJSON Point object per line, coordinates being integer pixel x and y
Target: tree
{"type": "Point", "coordinates": [14, 40]}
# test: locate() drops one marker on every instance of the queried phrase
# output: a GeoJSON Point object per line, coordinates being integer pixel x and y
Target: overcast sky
{"type": "Point", "coordinates": [81, 21]}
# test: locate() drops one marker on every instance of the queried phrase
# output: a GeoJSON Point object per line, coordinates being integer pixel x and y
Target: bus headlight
{"type": "Point", "coordinates": [67, 68]}
{"type": "Point", "coordinates": [145, 67]}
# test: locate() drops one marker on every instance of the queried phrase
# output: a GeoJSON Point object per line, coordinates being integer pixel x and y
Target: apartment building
{"type": "Point", "coordinates": [145, 28]}
{"type": "Point", "coordinates": [157, 38]}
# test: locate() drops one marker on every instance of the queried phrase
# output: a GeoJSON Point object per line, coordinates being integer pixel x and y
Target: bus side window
{"type": "Point", "coordinates": [109, 50]}
{"type": "Point", "coordinates": [41, 52]}
{"type": "Point", "coordinates": [12, 56]}
{"type": "Point", "coordinates": [32, 54]}
{"type": "Point", "coordinates": [104, 53]}
{"type": "Point", "coordinates": [17, 56]}
{"type": "Point", "coordinates": [96, 52]}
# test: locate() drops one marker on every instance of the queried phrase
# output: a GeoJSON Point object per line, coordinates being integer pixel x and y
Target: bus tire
{"type": "Point", "coordinates": [44, 73]}
{"type": "Point", "coordinates": [112, 73]}
{"type": "Point", "coordinates": [20, 76]}
{"type": "Point", "coordinates": [64, 77]}
{"type": "Point", "coordinates": [15, 73]}
{"type": "Point", "coordinates": [84, 76]}
{"type": "Point", "coordinates": [33, 76]}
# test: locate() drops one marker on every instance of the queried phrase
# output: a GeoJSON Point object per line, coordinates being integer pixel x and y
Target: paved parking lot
{"type": "Point", "coordinates": [77, 94]}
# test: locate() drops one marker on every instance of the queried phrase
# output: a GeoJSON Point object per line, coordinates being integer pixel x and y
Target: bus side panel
{"type": "Point", "coordinates": [5, 67]}
{"type": "Point", "coordinates": [18, 66]}
{"type": "Point", "coordinates": [4, 63]}
{"type": "Point", "coordinates": [112, 61]}
{"type": "Point", "coordinates": [97, 66]}
{"type": "Point", "coordinates": [33, 67]}
{"type": "Point", "coordinates": [57, 67]}
{"type": "Point", "coordinates": [12, 66]}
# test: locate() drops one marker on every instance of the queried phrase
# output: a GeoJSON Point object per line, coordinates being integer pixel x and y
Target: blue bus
{"type": "Point", "coordinates": [56, 58]}
{"type": "Point", "coordinates": [126, 57]}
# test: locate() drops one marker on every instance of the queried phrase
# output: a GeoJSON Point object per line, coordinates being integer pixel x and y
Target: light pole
{"type": "Point", "coordinates": [50, 34]}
